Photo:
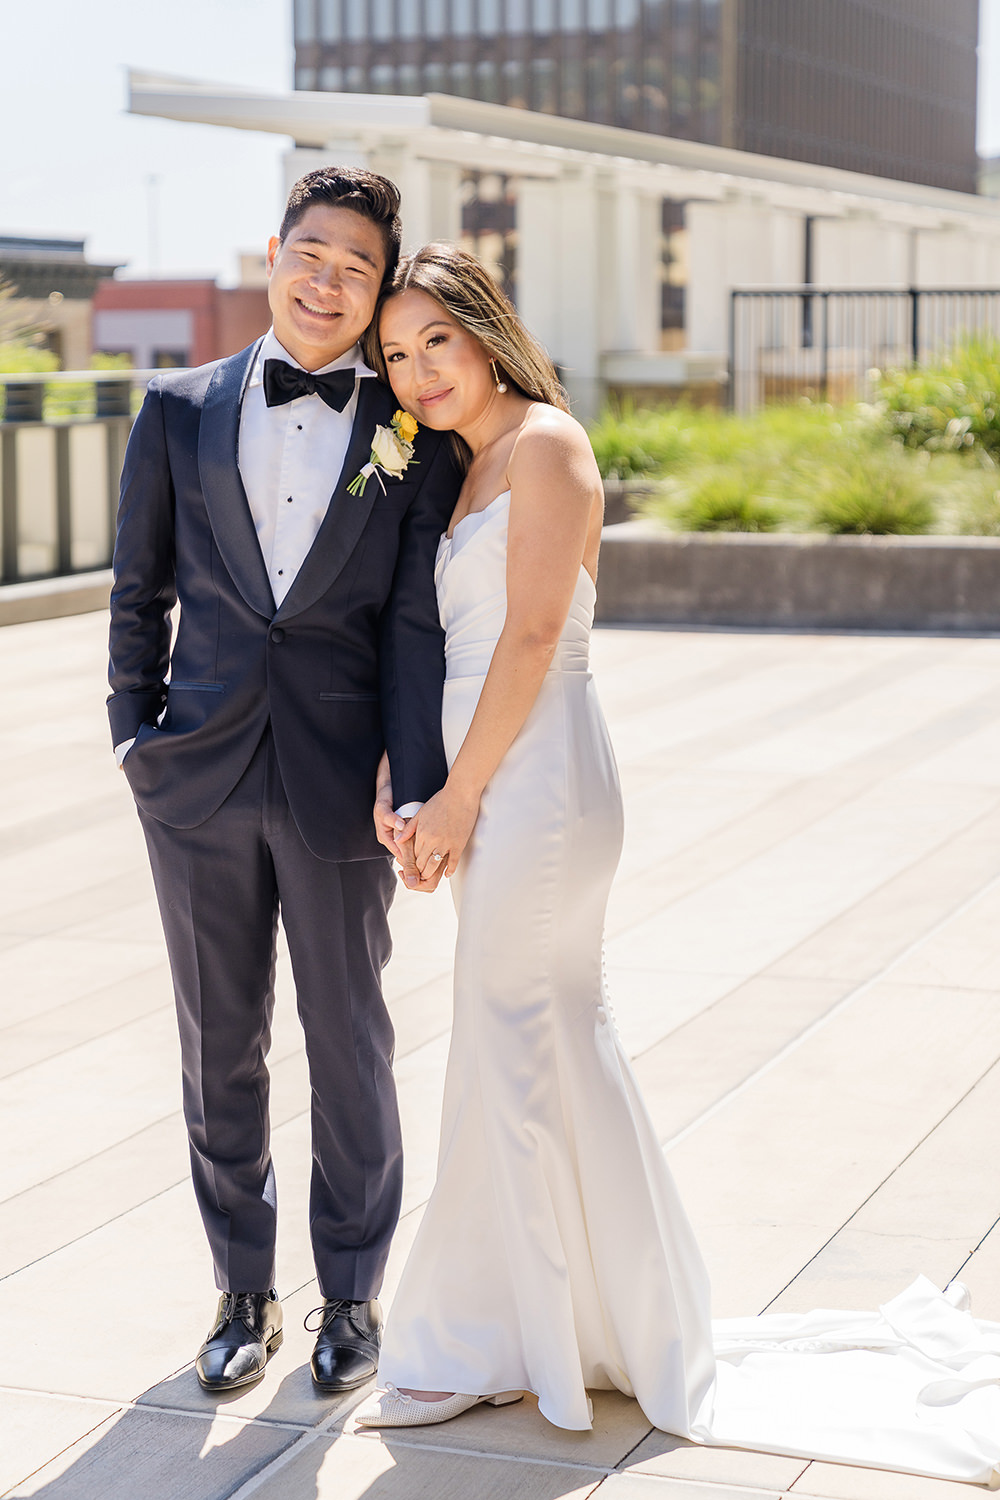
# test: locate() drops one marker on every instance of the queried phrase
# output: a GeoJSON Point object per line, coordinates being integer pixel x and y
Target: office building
{"type": "Point", "coordinates": [886, 87]}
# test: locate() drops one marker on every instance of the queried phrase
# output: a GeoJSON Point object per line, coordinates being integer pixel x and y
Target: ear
{"type": "Point", "coordinates": [273, 246]}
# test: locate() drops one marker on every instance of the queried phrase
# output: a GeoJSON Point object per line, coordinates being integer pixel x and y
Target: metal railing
{"type": "Point", "coordinates": [62, 443]}
{"type": "Point", "coordinates": [824, 342]}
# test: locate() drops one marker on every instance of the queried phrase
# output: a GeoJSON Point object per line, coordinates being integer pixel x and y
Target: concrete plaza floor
{"type": "Point", "coordinates": [804, 952]}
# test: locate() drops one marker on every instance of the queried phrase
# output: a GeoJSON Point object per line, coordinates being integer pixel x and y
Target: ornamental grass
{"type": "Point", "coordinates": [922, 457]}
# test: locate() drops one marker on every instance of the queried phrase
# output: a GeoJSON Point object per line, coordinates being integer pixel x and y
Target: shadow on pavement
{"type": "Point", "coordinates": [168, 1451]}
{"type": "Point", "coordinates": [149, 1453]}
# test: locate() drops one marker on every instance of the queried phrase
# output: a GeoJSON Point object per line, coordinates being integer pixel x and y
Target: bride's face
{"type": "Point", "coordinates": [439, 372]}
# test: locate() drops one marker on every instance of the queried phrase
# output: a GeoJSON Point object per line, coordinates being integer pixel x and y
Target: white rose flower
{"type": "Point", "coordinates": [389, 453]}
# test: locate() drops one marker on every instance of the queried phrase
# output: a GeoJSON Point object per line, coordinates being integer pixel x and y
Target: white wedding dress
{"type": "Point", "coordinates": [554, 1254]}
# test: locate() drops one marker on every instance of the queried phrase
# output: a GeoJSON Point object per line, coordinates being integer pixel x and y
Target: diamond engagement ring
{"type": "Point", "coordinates": [436, 855]}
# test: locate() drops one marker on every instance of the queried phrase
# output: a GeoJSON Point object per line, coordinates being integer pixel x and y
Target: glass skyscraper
{"type": "Point", "coordinates": [647, 66]}
{"type": "Point", "coordinates": [879, 86]}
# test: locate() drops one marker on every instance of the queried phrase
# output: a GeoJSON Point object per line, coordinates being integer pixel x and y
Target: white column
{"type": "Point", "coordinates": [537, 218]}
{"type": "Point", "coordinates": [859, 250]}
{"type": "Point", "coordinates": [579, 263]}
{"type": "Point", "coordinates": [706, 303]}
{"type": "Point", "coordinates": [953, 256]}
{"type": "Point", "coordinates": [431, 206]}
{"type": "Point", "coordinates": [444, 194]}
{"type": "Point", "coordinates": [560, 291]}
{"type": "Point", "coordinates": [631, 277]}
{"type": "Point", "coordinates": [735, 243]}
{"type": "Point", "coordinates": [393, 159]}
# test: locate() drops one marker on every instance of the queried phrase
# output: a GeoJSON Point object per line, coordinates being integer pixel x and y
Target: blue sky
{"type": "Point", "coordinates": [74, 163]}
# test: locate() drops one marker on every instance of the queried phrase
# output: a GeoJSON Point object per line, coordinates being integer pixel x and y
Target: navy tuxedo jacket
{"type": "Point", "coordinates": [351, 663]}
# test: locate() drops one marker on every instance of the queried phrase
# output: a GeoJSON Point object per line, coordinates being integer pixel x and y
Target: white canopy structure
{"type": "Point", "coordinates": [588, 215]}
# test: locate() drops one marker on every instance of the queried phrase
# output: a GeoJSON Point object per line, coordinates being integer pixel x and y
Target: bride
{"type": "Point", "coordinates": [554, 1255]}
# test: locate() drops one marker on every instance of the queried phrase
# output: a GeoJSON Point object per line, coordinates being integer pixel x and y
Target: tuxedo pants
{"type": "Point", "coordinates": [220, 888]}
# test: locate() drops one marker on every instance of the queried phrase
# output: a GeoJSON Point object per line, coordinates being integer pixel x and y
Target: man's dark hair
{"type": "Point", "coordinates": [363, 192]}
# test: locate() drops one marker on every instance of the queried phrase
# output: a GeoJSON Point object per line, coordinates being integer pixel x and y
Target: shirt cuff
{"type": "Point", "coordinates": [122, 750]}
{"type": "Point", "coordinates": [408, 809]}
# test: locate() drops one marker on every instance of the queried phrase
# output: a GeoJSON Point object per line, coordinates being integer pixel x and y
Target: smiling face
{"type": "Point", "coordinates": [438, 371]}
{"type": "Point", "coordinates": [323, 283]}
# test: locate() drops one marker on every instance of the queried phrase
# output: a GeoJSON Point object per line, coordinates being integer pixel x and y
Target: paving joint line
{"type": "Point", "coordinates": [711, 1486]}
{"type": "Point", "coordinates": [96, 1036]}
{"type": "Point", "coordinates": [68, 1448]}
{"type": "Point", "coordinates": [88, 995]}
{"type": "Point", "coordinates": [169, 1188]}
{"type": "Point", "coordinates": [174, 1114]}
{"type": "Point", "coordinates": [635, 1447]}
{"type": "Point", "coordinates": [824, 1020]}
{"type": "Point", "coordinates": [766, 973]}
{"type": "Point", "coordinates": [853, 768]}
{"type": "Point", "coordinates": [976, 1248]}
{"type": "Point", "coordinates": [138, 1405]}
{"type": "Point", "coordinates": [795, 785]}
{"type": "Point", "coordinates": [510, 1458]}
{"type": "Point", "coordinates": [887, 1178]}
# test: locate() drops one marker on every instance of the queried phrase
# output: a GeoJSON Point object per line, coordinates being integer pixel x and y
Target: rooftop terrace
{"type": "Point", "coordinates": [804, 958]}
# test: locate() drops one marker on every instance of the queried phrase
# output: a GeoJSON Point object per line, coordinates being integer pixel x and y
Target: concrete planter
{"type": "Point", "coordinates": [620, 496]}
{"type": "Point", "coordinates": [935, 583]}
{"type": "Point", "coordinates": [651, 576]}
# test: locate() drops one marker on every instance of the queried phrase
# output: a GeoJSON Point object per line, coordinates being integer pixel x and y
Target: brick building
{"type": "Point", "coordinates": [184, 322]}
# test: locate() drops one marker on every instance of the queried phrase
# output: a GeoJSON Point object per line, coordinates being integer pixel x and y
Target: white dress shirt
{"type": "Point", "coordinates": [290, 458]}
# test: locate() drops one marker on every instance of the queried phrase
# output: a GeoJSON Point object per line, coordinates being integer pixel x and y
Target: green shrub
{"type": "Point", "coordinates": [725, 499]}
{"type": "Point", "coordinates": [980, 515]}
{"type": "Point", "coordinates": [629, 443]}
{"type": "Point", "coordinates": [812, 467]}
{"type": "Point", "coordinates": [632, 443]}
{"type": "Point", "coordinates": [967, 495]}
{"type": "Point", "coordinates": [24, 359]}
{"type": "Point", "coordinates": [882, 494]}
{"type": "Point", "coordinates": [952, 406]}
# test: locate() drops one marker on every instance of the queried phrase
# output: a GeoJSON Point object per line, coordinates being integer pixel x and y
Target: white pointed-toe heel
{"type": "Point", "coordinates": [391, 1408]}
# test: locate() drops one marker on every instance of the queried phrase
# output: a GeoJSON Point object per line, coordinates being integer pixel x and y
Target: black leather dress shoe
{"type": "Point", "coordinates": [246, 1332]}
{"type": "Point", "coordinates": [346, 1352]}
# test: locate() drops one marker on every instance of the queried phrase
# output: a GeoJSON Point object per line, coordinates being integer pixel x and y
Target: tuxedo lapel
{"type": "Point", "coordinates": [346, 515]}
{"type": "Point", "coordinates": [225, 498]}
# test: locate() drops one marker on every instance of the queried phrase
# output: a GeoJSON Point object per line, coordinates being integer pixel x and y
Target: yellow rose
{"type": "Point", "coordinates": [406, 426]}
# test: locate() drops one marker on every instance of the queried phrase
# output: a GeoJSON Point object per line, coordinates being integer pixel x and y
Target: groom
{"type": "Point", "coordinates": [307, 642]}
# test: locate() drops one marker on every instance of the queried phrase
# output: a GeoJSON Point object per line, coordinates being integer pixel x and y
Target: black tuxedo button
{"type": "Point", "coordinates": [277, 635]}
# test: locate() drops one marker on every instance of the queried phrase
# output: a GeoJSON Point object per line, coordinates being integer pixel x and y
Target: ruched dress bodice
{"type": "Point", "coordinates": [471, 578]}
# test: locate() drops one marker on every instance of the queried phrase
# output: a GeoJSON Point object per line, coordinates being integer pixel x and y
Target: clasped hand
{"type": "Point", "coordinates": [431, 843]}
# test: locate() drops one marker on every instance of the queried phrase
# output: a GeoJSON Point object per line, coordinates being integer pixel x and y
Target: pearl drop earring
{"type": "Point", "coordinates": [501, 384]}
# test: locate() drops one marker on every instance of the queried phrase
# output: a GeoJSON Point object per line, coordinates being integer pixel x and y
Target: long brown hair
{"type": "Point", "coordinates": [467, 292]}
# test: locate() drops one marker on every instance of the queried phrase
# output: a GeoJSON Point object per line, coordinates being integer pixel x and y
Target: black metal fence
{"type": "Point", "coordinates": [786, 342]}
{"type": "Point", "coordinates": [62, 442]}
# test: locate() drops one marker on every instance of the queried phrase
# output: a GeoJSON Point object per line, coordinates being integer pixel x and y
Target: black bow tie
{"type": "Point", "coordinates": [283, 382]}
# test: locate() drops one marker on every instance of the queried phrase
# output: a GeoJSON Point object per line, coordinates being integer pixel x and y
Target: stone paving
{"type": "Point", "coordinates": [804, 958]}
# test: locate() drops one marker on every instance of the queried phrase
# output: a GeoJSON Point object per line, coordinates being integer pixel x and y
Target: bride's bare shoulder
{"type": "Point", "coordinates": [550, 438]}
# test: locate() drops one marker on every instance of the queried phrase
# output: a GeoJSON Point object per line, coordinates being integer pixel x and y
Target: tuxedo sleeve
{"type": "Point", "coordinates": [411, 648]}
{"type": "Point", "coordinates": [144, 589]}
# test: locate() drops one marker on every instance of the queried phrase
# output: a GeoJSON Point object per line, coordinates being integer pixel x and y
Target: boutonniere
{"type": "Point", "coordinates": [392, 452]}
